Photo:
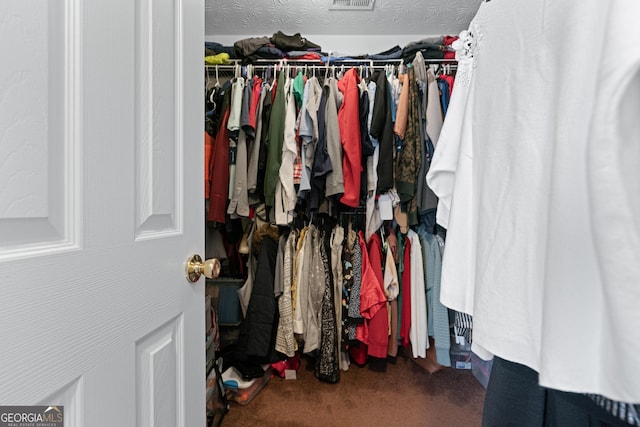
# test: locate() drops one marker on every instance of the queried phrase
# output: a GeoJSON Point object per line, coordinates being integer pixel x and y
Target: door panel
{"type": "Point", "coordinates": [100, 206]}
{"type": "Point", "coordinates": [38, 114]}
{"type": "Point", "coordinates": [69, 396]}
{"type": "Point", "coordinates": [159, 379]}
{"type": "Point", "coordinates": [158, 125]}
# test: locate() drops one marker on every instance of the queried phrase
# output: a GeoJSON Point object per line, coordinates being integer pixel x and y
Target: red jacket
{"type": "Point", "coordinates": [379, 323]}
{"type": "Point", "coordinates": [372, 300]}
{"type": "Point", "coordinates": [349, 122]}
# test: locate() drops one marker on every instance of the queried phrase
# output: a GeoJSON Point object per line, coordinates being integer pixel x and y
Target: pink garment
{"type": "Point", "coordinates": [405, 315]}
{"type": "Point", "coordinates": [255, 99]}
{"type": "Point", "coordinates": [219, 173]}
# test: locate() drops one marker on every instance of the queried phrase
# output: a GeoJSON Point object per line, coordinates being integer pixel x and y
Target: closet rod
{"type": "Point", "coordinates": [319, 67]}
{"type": "Point", "coordinates": [262, 63]}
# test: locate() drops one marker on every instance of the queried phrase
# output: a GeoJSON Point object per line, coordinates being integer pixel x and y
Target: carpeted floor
{"type": "Point", "coordinates": [405, 395]}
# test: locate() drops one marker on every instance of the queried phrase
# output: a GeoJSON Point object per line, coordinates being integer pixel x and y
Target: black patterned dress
{"type": "Point", "coordinates": [327, 366]}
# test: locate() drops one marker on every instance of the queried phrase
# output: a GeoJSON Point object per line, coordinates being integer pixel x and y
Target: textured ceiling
{"type": "Point", "coordinates": [313, 17]}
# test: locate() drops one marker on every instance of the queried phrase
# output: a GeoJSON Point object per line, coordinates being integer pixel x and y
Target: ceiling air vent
{"type": "Point", "coordinates": [352, 5]}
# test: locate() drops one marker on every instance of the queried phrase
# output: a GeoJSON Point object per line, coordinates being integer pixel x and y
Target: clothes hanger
{"type": "Point", "coordinates": [349, 226]}
{"type": "Point", "coordinates": [216, 86]}
{"type": "Point", "coordinates": [402, 68]}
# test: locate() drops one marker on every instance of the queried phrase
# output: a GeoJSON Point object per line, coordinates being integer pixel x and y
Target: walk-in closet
{"type": "Point", "coordinates": [319, 213]}
{"type": "Point", "coordinates": [385, 193]}
{"type": "Point", "coordinates": [330, 252]}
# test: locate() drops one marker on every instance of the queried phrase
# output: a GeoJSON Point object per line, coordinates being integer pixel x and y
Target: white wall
{"type": "Point", "coordinates": [391, 22]}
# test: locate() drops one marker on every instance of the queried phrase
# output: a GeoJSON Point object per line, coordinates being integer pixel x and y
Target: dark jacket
{"type": "Point", "coordinates": [382, 130]}
{"type": "Point", "coordinates": [274, 142]}
{"type": "Point", "coordinates": [294, 42]}
{"type": "Point", "coordinates": [256, 342]}
{"type": "Point", "coordinates": [246, 47]}
{"type": "Point", "coordinates": [321, 161]}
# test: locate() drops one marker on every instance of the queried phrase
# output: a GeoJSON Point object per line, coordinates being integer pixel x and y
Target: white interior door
{"type": "Point", "coordinates": [101, 203]}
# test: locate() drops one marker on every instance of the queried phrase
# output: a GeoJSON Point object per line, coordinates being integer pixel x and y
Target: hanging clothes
{"type": "Point", "coordinates": [367, 147]}
{"type": "Point", "coordinates": [402, 112]}
{"type": "Point", "coordinates": [300, 283]}
{"type": "Point", "coordinates": [418, 332]}
{"type": "Point", "coordinates": [309, 121]}
{"type": "Point", "coordinates": [327, 366]}
{"type": "Point", "coordinates": [257, 331]}
{"type": "Point", "coordinates": [334, 99]}
{"type": "Point", "coordinates": [337, 296]}
{"type": "Point", "coordinates": [322, 165]}
{"type": "Point", "coordinates": [354, 318]}
{"type": "Point", "coordinates": [276, 140]}
{"type": "Point", "coordinates": [373, 220]}
{"type": "Point", "coordinates": [409, 160]}
{"type": "Point", "coordinates": [372, 297]}
{"type": "Point", "coordinates": [308, 133]}
{"type": "Point", "coordinates": [381, 129]}
{"type": "Point", "coordinates": [209, 142]}
{"type": "Point", "coordinates": [378, 323]}
{"type": "Point", "coordinates": [532, 243]}
{"type": "Point", "coordinates": [239, 196]}
{"type": "Point", "coordinates": [237, 92]}
{"type": "Point", "coordinates": [349, 124]}
{"type": "Point", "coordinates": [256, 147]}
{"type": "Point", "coordinates": [285, 341]}
{"type": "Point", "coordinates": [434, 109]}
{"type": "Point", "coordinates": [348, 280]}
{"type": "Point", "coordinates": [254, 105]}
{"type": "Point", "coordinates": [437, 314]}
{"type": "Point", "coordinates": [219, 174]}
{"type": "Point", "coordinates": [337, 239]}
{"type": "Point", "coordinates": [404, 268]}
{"type": "Point", "coordinates": [316, 290]}
{"type": "Point", "coordinates": [267, 104]}
{"type": "Point", "coordinates": [285, 195]}
{"type": "Point", "coordinates": [391, 290]}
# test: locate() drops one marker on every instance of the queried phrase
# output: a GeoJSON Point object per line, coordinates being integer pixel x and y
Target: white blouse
{"type": "Point", "coordinates": [537, 171]}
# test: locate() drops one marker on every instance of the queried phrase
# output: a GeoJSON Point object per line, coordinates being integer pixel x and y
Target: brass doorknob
{"type": "Point", "coordinates": [196, 267]}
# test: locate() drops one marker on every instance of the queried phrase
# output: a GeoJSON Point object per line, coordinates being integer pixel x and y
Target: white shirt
{"type": "Point", "coordinates": [285, 197]}
{"type": "Point", "coordinates": [418, 332]}
{"type": "Point", "coordinates": [538, 174]}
